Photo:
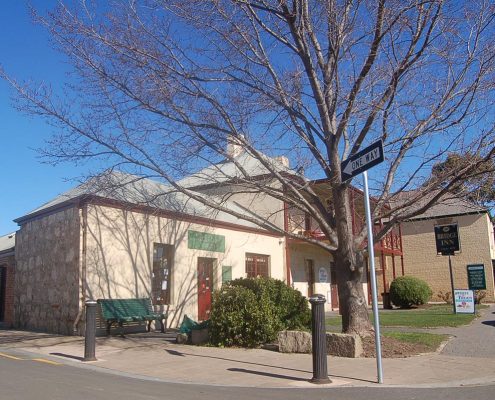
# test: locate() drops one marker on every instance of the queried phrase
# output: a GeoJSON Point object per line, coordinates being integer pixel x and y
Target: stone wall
{"type": "Point", "coordinates": [8, 262]}
{"type": "Point", "coordinates": [47, 273]}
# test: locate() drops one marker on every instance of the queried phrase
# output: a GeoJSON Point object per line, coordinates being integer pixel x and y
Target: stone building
{"type": "Point", "coordinates": [7, 268]}
{"type": "Point", "coordinates": [477, 246]}
{"type": "Point", "coordinates": [128, 237]}
{"type": "Point", "coordinates": [308, 267]}
{"type": "Point", "coordinates": [121, 236]}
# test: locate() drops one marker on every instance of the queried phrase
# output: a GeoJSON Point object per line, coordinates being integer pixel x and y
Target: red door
{"type": "Point", "coordinates": [205, 283]}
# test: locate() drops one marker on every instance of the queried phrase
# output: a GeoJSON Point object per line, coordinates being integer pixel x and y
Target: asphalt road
{"type": "Point", "coordinates": [24, 377]}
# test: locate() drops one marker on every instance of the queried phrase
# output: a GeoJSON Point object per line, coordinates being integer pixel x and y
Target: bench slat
{"type": "Point", "coordinates": [128, 310]}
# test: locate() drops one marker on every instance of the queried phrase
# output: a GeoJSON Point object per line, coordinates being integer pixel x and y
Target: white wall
{"type": "Point", "coordinates": [299, 253]}
{"type": "Point", "coordinates": [119, 256]}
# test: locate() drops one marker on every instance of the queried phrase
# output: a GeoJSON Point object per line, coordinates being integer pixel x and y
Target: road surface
{"type": "Point", "coordinates": [26, 376]}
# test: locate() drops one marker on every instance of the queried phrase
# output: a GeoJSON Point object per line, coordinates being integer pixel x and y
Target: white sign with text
{"type": "Point", "coordinates": [464, 301]}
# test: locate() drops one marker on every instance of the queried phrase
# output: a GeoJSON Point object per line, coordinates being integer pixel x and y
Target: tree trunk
{"type": "Point", "coordinates": [350, 269]}
{"type": "Point", "coordinates": [352, 300]}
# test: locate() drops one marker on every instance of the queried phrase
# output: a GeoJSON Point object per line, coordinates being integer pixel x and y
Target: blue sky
{"type": "Point", "coordinates": [26, 182]}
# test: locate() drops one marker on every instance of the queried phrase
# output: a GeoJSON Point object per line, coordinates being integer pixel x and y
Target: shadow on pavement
{"type": "Point", "coordinates": [67, 356]}
{"type": "Point", "coordinates": [249, 371]}
{"type": "Point", "coordinates": [182, 354]}
{"type": "Point", "coordinates": [489, 323]}
{"type": "Point", "coordinates": [14, 337]}
{"type": "Point", "coordinates": [175, 353]}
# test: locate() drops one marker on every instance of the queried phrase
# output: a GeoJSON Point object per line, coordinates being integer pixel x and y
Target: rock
{"type": "Point", "coordinates": [344, 345]}
{"type": "Point", "coordinates": [270, 346]}
{"type": "Point", "coordinates": [181, 338]}
{"type": "Point", "coordinates": [294, 342]}
{"type": "Point", "coordinates": [200, 336]}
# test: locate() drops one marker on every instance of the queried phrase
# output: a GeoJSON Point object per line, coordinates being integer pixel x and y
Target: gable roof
{"type": "Point", "coordinates": [448, 205]}
{"type": "Point", "coordinates": [7, 243]}
{"type": "Point", "coordinates": [131, 189]}
{"type": "Point", "coordinates": [245, 166]}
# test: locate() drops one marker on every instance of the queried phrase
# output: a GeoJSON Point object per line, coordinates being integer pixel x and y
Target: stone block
{"type": "Point", "coordinates": [294, 342]}
{"type": "Point", "coordinates": [200, 336]}
{"type": "Point", "coordinates": [344, 345]}
{"type": "Point", "coordinates": [181, 338]}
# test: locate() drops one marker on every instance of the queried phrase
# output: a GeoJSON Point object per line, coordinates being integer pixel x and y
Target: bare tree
{"type": "Point", "coordinates": [160, 86]}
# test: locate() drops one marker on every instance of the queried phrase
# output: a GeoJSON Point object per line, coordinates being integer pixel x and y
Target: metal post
{"type": "Point", "coordinates": [320, 371]}
{"type": "Point", "coordinates": [371, 252]}
{"type": "Point", "coordinates": [452, 284]}
{"type": "Point", "coordinates": [90, 335]}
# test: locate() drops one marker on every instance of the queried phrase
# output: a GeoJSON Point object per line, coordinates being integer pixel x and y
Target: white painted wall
{"type": "Point", "coordinates": [299, 253]}
{"type": "Point", "coordinates": [119, 256]}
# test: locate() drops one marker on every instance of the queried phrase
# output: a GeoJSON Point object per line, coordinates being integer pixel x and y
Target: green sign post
{"type": "Point", "coordinates": [476, 277]}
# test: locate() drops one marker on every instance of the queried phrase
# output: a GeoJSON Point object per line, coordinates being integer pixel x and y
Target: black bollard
{"type": "Point", "coordinates": [90, 335]}
{"type": "Point", "coordinates": [319, 337]}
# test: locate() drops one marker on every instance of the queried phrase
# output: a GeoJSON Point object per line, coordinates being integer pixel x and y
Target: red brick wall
{"type": "Point", "coordinates": [9, 290]}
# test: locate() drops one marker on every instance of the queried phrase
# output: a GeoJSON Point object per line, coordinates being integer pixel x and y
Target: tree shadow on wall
{"type": "Point", "coordinates": [119, 257]}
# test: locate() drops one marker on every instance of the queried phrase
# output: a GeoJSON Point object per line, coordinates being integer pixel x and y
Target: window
{"type": "Point", "coordinates": [257, 265]}
{"type": "Point", "coordinates": [162, 272]}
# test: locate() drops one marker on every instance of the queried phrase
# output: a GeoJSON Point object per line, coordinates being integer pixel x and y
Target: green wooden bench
{"type": "Point", "coordinates": [120, 311]}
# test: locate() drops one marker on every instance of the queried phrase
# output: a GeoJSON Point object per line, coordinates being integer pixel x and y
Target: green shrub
{"type": "Point", "coordinates": [290, 307]}
{"type": "Point", "coordinates": [407, 291]}
{"type": "Point", "coordinates": [249, 312]}
{"type": "Point", "coordinates": [239, 318]}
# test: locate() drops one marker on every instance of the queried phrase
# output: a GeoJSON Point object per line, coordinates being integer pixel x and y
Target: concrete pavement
{"type": "Point", "coordinates": [155, 356]}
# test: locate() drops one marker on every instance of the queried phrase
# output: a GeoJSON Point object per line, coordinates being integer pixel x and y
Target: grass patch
{"type": "Point", "coordinates": [430, 340]}
{"type": "Point", "coordinates": [433, 316]}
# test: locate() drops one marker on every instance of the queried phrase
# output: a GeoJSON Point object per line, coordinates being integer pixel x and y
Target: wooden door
{"type": "Point", "coordinates": [310, 276]}
{"type": "Point", "coordinates": [205, 285]}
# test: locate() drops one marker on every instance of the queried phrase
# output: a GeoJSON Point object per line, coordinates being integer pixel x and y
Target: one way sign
{"type": "Point", "coordinates": [362, 161]}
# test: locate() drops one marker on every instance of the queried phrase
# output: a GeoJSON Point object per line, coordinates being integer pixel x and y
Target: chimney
{"type": "Point", "coordinates": [234, 146]}
{"type": "Point", "coordinates": [282, 160]}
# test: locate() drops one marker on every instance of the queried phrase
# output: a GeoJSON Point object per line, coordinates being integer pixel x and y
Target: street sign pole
{"type": "Point", "coordinates": [452, 284]}
{"type": "Point", "coordinates": [359, 163]}
{"type": "Point", "coordinates": [371, 253]}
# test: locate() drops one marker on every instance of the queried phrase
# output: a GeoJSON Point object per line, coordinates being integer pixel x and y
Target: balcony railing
{"type": "Point", "coordinates": [302, 224]}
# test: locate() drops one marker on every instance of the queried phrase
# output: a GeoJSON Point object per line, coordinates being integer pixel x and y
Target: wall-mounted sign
{"type": "Point", "coordinates": [476, 277]}
{"type": "Point", "coordinates": [205, 241]}
{"type": "Point", "coordinates": [447, 239]}
{"type": "Point", "coordinates": [464, 301]}
{"type": "Point", "coordinates": [226, 273]}
{"type": "Point", "coordinates": [323, 275]}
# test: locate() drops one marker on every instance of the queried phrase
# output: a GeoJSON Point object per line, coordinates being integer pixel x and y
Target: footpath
{"type": "Point", "coordinates": [468, 359]}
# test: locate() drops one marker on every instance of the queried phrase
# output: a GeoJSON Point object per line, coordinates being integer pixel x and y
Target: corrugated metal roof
{"type": "Point", "coordinates": [7, 242]}
{"type": "Point", "coordinates": [448, 205]}
{"type": "Point", "coordinates": [132, 189]}
{"type": "Point", "coordinates": [245, 166]}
